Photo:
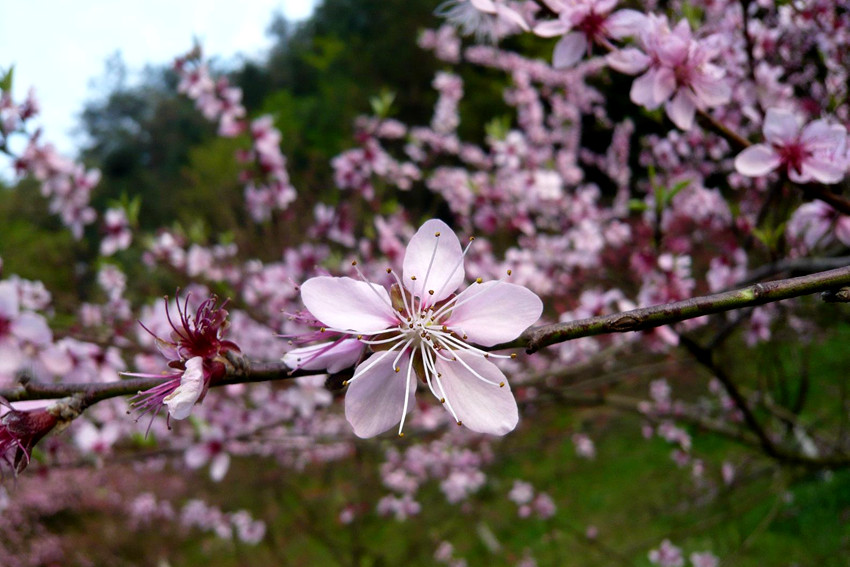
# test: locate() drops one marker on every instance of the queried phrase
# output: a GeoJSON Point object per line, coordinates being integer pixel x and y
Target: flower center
{"type": "Point", "coordinates": [793, 155]}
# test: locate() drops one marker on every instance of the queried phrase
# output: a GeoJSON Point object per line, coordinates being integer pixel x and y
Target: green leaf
{"type": "Point", "coordinates": [669, 194]}
{"type": "Point", "coordinates": [498, 128]}
{"type": "Point", "coordinates": [382, 104]}
{"type": "Point", "coordinates": [6, 80]}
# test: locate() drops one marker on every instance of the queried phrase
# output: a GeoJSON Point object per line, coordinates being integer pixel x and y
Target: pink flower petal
{"type": "Point", "coordinates": [643, 90]}
{"type": "Point", "coordinates": [665, 84]}
{"type": "Point", "coordinates": [32, 328]}
{"type": "Point", "coordinates": [495, 312]}
{"type": "Point", "coordinates": [821, 169]}
{"type": "Point", "coordinates": [681, 110]}
{"type": "Point", "coordinates": [446, 265]}
{"type": "Point", "coordinates": [712, 91]}
{"type": "Point", "coordinates": [569, 50]}
{"type": "Point", "coordinates": [11, 358]}
{"type": "Point", "coordinates": [480, 406]}
{"type": "Point", "coordinates": [757, 160]}
{"type": "Point", "coordinates": [9, 307]}
{"type": "Point", "coordinates": [325, 356]}
{"type": "Point", "coordinates": [551, 28]}
{"type": "Point", "coordinates": [347, 304]}
{"type": "Point", "coordinates": [219, 466]}
{"type": "Point", "coordinates": [624, 23]}
{"type": "Point", "coordinates": [630, 61]}
{"type": "Point", "coordinates": [507, 15]}
{"type": "Point", "coordinates": [181, 401]}
{"type": "Point", "coordinates": [375, 400]}
{"type": "Point", "coordinates": [821, 135]}
{"type": "Point", "coordinates": [487, 6]}
{"type": "Point", "coordinates": [780, 126]}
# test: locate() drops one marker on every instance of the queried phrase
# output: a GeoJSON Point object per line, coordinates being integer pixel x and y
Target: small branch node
{"type": "Point", "coordinates": [840, 295]}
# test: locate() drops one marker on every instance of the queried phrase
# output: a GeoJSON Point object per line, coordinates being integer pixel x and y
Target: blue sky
{"type": "Point", "coordinates": [60, 46]}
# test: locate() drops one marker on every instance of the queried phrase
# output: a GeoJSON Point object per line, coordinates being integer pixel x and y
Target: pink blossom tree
{"type": "Point", "coordinates": [604, 236]}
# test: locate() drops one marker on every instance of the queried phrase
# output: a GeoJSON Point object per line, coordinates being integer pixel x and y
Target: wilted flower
{"type": "Point", "coordinates": [420, 328]}
{"type": "Point", "coordinates": [198, 353]}
{"type": "Point", "coordinates": [21, 429]}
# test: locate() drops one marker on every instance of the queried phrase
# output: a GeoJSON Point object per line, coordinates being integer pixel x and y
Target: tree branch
{"type": "Point", "coordinates": [658, 315]}
{"type": "Point", "coordinates": [97, 392]}
{"type": "Point", "coordinates": [533, 339]}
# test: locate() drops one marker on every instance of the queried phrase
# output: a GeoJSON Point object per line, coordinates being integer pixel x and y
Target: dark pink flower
{"type": "Point", "coordinates": [197, 351]}
{"type": "Point", "coordinates": [20, 430]}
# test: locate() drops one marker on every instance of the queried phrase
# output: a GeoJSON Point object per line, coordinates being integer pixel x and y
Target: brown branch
{"type": "Point", "coordinates": [658, 315]}
{"type": "Point", "coordinates": [96, 392]}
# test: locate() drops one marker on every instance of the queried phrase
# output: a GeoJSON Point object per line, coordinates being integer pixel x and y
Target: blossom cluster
{"type": "Point", "coordinates": [267, 184]}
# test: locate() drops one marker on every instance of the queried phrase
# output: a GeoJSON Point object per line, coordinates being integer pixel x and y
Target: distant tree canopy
{"type": "Point", "coordinates": [151, 144]}
{"type": "Point", "coordinates": [318, 77]}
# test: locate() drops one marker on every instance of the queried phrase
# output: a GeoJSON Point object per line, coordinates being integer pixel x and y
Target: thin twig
{"type": "Point", "coordinates": [658, 315]}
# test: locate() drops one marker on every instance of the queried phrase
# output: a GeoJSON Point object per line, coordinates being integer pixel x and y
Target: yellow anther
{"type": "Point", "coordinates": [471, 238]}
{"type": "Point", "coordinates": [460, 423]}
{"type": "Point", "coordinates": [437, 234]}
{"type": "Point", "coordinates": [359, 337]}
{"type": "Point", "coordinates": [442, 400]}
{"type": "Point", "coordinates": [439, 375]}
{"type": "Point", "coordinates": [354, 262]}
{"type": "Point", "coordinates": [513, 356]}
{"type": "Point", "coordinates": [501, 384]}
{"type": "Point", "coordinates": [445, 329]}
{"type": "Point", "coordinates": [397, 369]}
{"type": "Point", "coordinates": [389, 270]}
{"type": "Point", "coordinates": [478, 280]}
{"type": "Point", "coordinates": [322, 329]}
{"type": "Point", "coordinates": [510, 272]}
{"type": "Point", "coordinates": [344, 383]}
{"type": "Point", "coordinates": [413, 277]}
{"type": "Point", "coordinates": [486, 355]}
{"type": "Point", "coordinates": [401, 434]}
{"type": "Point", "coordinates": [430, 292]}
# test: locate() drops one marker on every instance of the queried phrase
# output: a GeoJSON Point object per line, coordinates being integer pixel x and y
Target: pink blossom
{"type": "Point", "coordinates": [704, 559]}
{"type": "Point", "coordinates": [667, 555]}
{"type": "Point", "coordinates": [521, 492]}
{"type": "Point", "coordinates": [817, 152]}
{"type": "Point", "coordinates": [583, 23]}
{"type": "Point", "coordinates": [584, 446]}
{"type": "Point", "coordinates": [486, 19]}
{"type": "Point", "coordinates": [544, 506]}
{"type": "Point", "coordinates": [211, 449]}
{"type": "Point", "coordinates": [117, 228]}
{"type": "Point", "coordinates": [420, 328]}
{"type": "Point", "coordinates": [677, 71]}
